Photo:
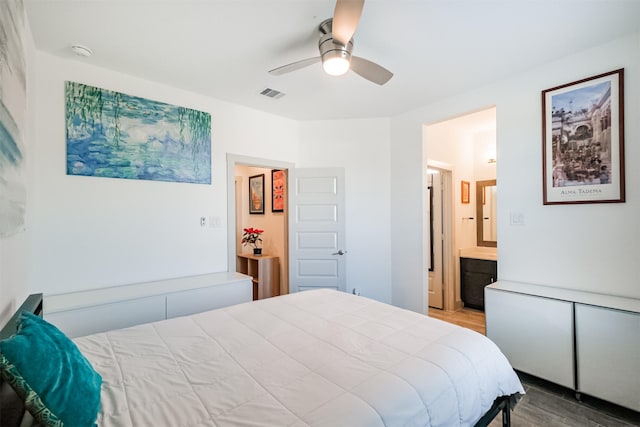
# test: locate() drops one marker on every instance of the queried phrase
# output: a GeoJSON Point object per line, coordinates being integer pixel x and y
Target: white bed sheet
{"type": "Point", "coordinates": [321, 358]}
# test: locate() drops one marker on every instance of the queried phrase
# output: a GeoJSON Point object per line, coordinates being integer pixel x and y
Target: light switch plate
{"type": "Point", "coordinates": [516, 218]}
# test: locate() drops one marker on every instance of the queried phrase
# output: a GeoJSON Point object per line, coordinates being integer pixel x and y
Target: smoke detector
{"type": "Point", "coordinates": [81, 50]}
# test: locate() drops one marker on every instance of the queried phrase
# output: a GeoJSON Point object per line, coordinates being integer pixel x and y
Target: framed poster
{"type": "Point", "coordinates": [583, 141]}
{"type": "Point", "coordinates": [278, 182]}
{"type": "Point", "coordinates": [256, 194]}
{"type": "Point", "coordinates": [464, 191]}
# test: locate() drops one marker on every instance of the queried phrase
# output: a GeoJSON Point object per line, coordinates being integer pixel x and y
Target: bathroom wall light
{"type": "Point", "coordinates": [490, 155]}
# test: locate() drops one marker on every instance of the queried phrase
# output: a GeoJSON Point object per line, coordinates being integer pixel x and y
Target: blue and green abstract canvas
{"type": "Point", "coordinates": [13, 104]}
{"type": "Point", "coordinates": [110, 134]}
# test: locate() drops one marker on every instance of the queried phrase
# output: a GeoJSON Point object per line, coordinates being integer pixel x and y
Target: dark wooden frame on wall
{"type": "Point", "coordinates": [582, 187]}
{"type": "Point", "coordinates": [281, 192]}
{"type": "Point", "coordinates": [256, 189]}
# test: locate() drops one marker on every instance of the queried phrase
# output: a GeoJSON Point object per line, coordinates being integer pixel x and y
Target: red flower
{"type": "Point", "coordinates": [251, 236]}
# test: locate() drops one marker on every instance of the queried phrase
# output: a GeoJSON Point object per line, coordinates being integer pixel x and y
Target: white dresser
{"type": "Point", "coordinates": [584, 341]}
{"type": "Point", "coordinates": [98, 310]}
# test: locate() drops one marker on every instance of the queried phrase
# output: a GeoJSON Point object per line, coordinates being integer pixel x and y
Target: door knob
{"type": "Point", "coordinates": [340, 252]}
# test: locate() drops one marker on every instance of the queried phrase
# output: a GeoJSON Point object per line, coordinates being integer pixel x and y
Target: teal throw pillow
{"type": "Point", "coordinates": [46, 369]}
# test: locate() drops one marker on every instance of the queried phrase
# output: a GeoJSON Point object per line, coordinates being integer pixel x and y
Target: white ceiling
{"type": "Point", "coordinates": [224, 48]}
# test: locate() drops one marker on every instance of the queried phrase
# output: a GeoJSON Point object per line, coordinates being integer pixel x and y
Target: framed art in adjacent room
{"type": "Point", "coordinates": [256, 194]}
{"type": "Point", "coordinates": [583, 141]}
{"type": "Point", "coordinates": [278, 180]}
{"type": "Point", "coordinates": [465, 187]}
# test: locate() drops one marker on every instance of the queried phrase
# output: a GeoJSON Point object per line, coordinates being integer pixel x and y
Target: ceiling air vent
{"type": "Point", "coordinates": [272, 93]}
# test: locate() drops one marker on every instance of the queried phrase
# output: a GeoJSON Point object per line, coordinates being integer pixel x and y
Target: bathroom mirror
{"type": "Point", "coordinates": [486, 213]}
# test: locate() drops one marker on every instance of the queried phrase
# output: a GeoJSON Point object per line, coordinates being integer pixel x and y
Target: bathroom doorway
{"type": "Point", "coordinates": [464, 148]}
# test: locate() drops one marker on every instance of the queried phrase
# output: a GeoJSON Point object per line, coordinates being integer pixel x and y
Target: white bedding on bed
{"type": "Point", "coordinates": [321, 357]}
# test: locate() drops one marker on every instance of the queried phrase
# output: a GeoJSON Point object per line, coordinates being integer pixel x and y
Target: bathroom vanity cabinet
{"type": "Point", "coordinates": [475, 274]}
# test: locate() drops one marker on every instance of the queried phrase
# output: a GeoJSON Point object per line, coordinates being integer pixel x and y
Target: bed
{"type": "Point", "coordinates": [314, 358]}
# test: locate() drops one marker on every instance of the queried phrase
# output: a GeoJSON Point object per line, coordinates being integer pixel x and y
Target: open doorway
{"type": "Point", "coordinates": [314, 255]}
{"type": "Point", "coordinates": [463, 151]}
{"type": "Point", "coordinates": [247, 209]}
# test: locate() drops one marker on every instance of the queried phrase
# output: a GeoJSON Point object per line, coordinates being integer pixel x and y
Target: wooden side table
{"type": "Point", "coordinates": [265, 273]}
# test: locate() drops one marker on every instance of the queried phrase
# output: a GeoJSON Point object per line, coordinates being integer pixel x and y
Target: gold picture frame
{"type": "Point", "coordinates": [465, 190]}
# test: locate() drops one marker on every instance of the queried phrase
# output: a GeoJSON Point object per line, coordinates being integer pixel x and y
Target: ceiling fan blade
{"type": "Point", "coordinates": [370, 70]}
{"type": "Point", "coordinates": [345, 19]}
{"type": "Point", "coordinates": [294, 66]}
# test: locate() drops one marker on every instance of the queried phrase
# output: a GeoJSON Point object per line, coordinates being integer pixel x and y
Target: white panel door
{"type": "Point", "coordinates": [316, 229]}
{"type": "Point", "coordinates": [436, 270]}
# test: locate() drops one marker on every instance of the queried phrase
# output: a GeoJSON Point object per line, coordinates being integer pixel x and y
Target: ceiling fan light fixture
{"type": "Point", "coordinates": [336, 65]}
{"type": "Point", "coordinates": [335, 53]}
{"type": "Point", "coordinates": [336, 58]}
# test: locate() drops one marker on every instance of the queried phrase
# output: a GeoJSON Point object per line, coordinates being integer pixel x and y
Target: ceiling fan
{"type": "Point", "coordinates": [336, 45]}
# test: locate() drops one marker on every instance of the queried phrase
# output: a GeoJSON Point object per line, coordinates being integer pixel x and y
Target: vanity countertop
{"type": "Point", "coordinates": [490, 254]}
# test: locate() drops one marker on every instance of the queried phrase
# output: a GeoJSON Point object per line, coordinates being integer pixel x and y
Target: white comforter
{"type": "Point", "coordinates": [321, 358]}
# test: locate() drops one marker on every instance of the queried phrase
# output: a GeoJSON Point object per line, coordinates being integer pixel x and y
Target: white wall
{"type": "Point", "coordinates": [93, 232]}
{"type": "Point", "coordinates": [362, 148]}
{"type": "Point", "coordinates": [484, 147]}
{"type": "Point", "coordinates": [589, 247]}
{"type": "Point", "coordinates": [409, 231]}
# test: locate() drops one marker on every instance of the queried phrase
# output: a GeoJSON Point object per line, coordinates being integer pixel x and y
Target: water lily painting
{"type": "Point", "coordinates": [114, 135]}
{"type": "Point", "coordinates": [13, 193]}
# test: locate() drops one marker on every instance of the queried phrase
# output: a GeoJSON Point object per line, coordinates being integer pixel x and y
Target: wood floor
{"type": "Point", "coordinates": [547, 404]}
{"type": "Point", "coordinates": [468, 318]}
